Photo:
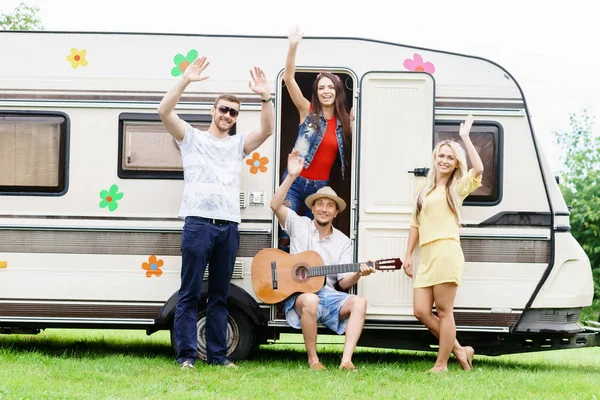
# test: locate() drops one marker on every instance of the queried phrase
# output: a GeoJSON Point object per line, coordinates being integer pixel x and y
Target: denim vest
{"type": "Point", "coordinates": [308, 140]}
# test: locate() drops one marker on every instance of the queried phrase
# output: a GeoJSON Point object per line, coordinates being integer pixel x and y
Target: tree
{"type": "Point", "coordinates": [23, 18]}
{"type": "Point", "coordinates": [581, 185]}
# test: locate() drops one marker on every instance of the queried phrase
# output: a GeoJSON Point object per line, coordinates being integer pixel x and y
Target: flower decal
{"type": "Point", "coordinates": [77, 58]}
{"type": "Point", "coordinates": [181, 62]}
{"type": "Point", "coordinates": [417, 64]}
{"type": "Point", "coordinates": [153, 266]}
{"type": "Point", "coordinates": [257, 163]}
{"type": "Point", "coordinates": [110, 197]}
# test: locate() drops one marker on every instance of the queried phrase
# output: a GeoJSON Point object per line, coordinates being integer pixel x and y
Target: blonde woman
{"type": "Point", "coordinates": [434, 226]}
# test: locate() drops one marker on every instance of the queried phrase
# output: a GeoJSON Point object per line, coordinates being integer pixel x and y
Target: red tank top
{"type": "Point", "coordinates": [321, 164]}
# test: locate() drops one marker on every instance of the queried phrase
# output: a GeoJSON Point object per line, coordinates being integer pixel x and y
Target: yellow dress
{"type": "Point", "coordinates": [442, 259]}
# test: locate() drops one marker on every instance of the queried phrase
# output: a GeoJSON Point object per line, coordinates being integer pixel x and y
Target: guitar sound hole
{"type": "Point", "coordinates": [301, 274]}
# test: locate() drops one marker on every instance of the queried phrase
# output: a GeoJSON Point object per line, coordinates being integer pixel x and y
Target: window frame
{"type": "Point", "coordinates": [485, 201]}
{"type": "Point", "coordinates": [152, 117]}
{"type": "Point", "coordinates": [63, 157]}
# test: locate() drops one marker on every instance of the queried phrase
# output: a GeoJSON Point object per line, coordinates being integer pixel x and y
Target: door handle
{"type": "Point", "coordinates": [420, 171]}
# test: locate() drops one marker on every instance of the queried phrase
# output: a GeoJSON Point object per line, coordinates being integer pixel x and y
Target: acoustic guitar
{"type": "Point", "coordinates": [276, 275]}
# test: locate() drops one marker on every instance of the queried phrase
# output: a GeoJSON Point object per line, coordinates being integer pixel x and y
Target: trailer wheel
{"type": "Point", "coordinates": [240, 335]}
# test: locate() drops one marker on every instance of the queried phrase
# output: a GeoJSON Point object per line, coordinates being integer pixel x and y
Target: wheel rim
{"type": "Point", "coordinates": [233, 336]}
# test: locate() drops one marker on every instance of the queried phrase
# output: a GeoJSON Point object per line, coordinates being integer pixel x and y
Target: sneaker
{"type": "Point", "coordinates": [229, 364]}
{"type": "Point", "coordinates": [187, 365]}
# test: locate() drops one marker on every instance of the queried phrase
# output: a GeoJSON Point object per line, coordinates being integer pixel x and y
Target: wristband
{"type": "Point", "coordinates": [266, 101]}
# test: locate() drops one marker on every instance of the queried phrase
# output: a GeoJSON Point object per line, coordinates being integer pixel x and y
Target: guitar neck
{"type": "Point", "coordinates": [335, 269]}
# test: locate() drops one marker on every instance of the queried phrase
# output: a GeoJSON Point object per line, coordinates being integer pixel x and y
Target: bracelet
{"type": "Point", "coordinates": [266, 101]}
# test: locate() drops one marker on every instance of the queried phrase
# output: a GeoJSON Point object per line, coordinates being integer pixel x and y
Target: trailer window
{"type": "Point", "coordinates": [486, 138]}
{"type": "Point", "coordinates": [33, 148]}
{"type": "Point", "coordinates": [147, 150]}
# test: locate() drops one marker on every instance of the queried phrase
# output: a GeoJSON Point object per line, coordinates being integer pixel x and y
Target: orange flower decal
{"type": "Point", "coordinates": [257, 163]}
{"type": "Point", "coordinates": [153, 266]}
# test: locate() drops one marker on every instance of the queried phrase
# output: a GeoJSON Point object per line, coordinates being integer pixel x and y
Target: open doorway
{"type": "Point", "coordinates": [289, 122]}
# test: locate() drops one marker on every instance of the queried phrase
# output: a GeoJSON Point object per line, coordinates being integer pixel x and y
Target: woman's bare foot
{"type": "Point", "coordinates": [465, 358]}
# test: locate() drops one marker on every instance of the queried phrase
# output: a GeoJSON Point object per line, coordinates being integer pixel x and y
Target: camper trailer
{"type": "Point", "coordinates": [91, 183]}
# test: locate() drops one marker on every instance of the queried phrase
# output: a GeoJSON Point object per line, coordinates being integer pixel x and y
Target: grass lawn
{"type": "Point", "coordinates": [86, 364]}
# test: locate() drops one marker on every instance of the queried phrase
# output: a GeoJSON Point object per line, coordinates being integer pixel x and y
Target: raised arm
{"type": "Point", "coordinates": [259, 85]}
{"type": "Point", "coordinates": [295, 165]}
{"type": "Point", "coordinates": [166, 109]}
{"type": "Point", "coordinates": [301, 103]}
{"type": "Point", "coordinates": [465, 130]}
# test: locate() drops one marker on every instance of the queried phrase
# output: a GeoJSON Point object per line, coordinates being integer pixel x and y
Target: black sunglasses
{"type": "Point", "coordinates": [232, 111]}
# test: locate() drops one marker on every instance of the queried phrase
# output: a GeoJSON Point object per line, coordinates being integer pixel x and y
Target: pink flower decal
{"type": "Point", "coordinates": [153, 266]}
{"type": "Point", "coordinates": [416, 64]}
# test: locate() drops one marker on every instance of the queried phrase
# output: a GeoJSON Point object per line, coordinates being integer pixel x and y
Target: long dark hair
{"type": "Point", "coordinates": [339, 107]}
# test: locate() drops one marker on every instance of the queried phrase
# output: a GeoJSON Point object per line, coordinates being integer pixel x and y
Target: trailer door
{"type": "Point", "coordinates": [396, 133]}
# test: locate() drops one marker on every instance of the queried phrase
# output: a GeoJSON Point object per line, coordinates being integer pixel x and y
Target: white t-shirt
{"type": "Point", "coordinates": [333, 249]}
{"type": "Point", "coordinates": [211, 173]}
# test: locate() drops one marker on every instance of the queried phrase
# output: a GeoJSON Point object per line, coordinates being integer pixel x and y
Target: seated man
{"type": "Point", "coordinates": [339, 311]}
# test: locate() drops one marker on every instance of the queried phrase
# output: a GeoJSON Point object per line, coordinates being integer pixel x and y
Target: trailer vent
{"type": "Point", "coordinates": [243, 203]}
{"type": "Point", "coordinates": [238, 271]}
{"type": "Point", "coordinates": [84, 241]}
{"type": "Point", "coordinates": [506, 250]}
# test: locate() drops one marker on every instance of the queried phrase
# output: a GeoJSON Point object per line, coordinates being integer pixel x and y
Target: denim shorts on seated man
{"type": "Point", "coordinates": [328, 312]}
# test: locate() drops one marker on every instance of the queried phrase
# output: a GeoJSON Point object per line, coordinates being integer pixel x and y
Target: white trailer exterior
{"type": "Point", "coordinates": [90, 186]}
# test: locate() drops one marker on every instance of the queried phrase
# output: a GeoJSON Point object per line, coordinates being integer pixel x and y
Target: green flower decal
{"type": "Point", "coordinates": [181, 62]}
{"type": "Point", "coordinates": [110, 197]}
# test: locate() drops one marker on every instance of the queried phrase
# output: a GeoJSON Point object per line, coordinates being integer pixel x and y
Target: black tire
{"type": "Point", "coordinates": [240, 335]}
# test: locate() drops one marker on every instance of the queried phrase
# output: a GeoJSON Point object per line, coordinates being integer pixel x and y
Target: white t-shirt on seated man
{"type": "Point", "coordinates": [339, 311]}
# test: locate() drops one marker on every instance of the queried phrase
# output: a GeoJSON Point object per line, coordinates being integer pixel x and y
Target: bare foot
{"type": "Point", "coordinates": [348, 366]}
{"type": "Point", "coordinates": [465, 357]}
{"type": "Point", "coordinates": [466, 361]}
{"type": "Point", "coordinates": [318, 367]}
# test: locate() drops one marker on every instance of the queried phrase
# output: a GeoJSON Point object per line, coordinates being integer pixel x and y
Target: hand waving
{"type": "Point", "coordinates": [295, 35]}
{"type": "Point", "coordinates": [258, 82]}
{"type": "Point", "coordinates": [194, 71]}
{"type": "Point", "coordinates": [465, 127]}
{"type": "Point", "coordinates": [295, 163]}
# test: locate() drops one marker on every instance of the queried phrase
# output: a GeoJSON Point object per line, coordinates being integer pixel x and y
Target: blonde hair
{"type": "Point", "coordinates": [452, 194]}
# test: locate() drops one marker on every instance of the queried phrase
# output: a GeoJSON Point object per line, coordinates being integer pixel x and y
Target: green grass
{"type": "Point", "coordinates": [82, 364]}
{"type": "Point", "coordinates": [592, 312]}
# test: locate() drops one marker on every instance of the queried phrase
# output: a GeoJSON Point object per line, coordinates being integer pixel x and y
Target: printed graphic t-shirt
{"type": "Point", "coordinates": [211, 172]}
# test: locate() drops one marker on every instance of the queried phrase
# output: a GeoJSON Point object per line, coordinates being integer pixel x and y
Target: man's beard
{"type": "Point", "coordinates": [322, 223]}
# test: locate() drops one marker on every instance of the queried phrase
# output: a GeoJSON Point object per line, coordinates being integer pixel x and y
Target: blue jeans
{"type": "Point", "coordinates": [299, 191]}
{"type": "Point", "coordinates": [216, 245]}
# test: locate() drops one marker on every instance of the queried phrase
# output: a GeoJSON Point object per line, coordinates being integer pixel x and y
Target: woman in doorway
{"type": "Point", "coordinates": [323, 134]}
{"type": "Point", "coordinates": [435, 226]}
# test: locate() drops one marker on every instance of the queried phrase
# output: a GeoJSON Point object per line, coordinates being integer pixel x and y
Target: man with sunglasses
{"type": "Point", "coordinates": [210, 205]}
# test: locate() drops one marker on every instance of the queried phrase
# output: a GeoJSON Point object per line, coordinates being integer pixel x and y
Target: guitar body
{"type": "Point", "coordinates": [289, 272]}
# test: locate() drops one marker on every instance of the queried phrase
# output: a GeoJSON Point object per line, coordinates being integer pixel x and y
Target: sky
{"type": "Point", "coordinates": [550, 48]}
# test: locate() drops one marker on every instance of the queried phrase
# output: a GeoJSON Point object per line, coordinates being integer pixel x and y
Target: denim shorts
{"type": "Point", "coordinates": [328, 312]}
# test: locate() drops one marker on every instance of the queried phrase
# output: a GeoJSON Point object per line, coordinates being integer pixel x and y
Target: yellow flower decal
{"type": "Point", "coordinates": [77, 58]}
{"type": "Point", "coordinates": [257, 163]}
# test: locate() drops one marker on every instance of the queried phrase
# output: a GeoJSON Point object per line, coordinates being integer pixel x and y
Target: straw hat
{"type": "Point", "coordinates": [325, 192]}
